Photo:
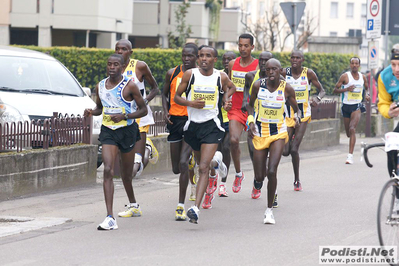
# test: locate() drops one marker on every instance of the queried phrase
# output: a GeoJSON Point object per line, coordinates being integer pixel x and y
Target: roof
{"type": "Point", "coordinates": [15, 51]}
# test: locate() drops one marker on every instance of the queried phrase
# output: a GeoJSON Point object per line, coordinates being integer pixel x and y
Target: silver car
{"type": "Point", "coordinates": [33, 85]}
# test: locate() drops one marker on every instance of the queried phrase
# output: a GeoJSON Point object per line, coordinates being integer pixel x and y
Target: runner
{"type": "Point", "coordinates": [224, 145]}
{"type": "Point", "coordinates": [351, 85]}
{"type": "Point", "coordinates": [176, 117]}
{"type": "Point", "coordinates": [138, 71]}
{"type": "Point", "coordinates": [117, 98]}
{"type": "Point", "coordinates": [237, 70]}
{"type": "Point", "coordinates": [301, 79]}
{"type": "Point", "coordinates": [250, 79]}
{"type": "Point", "coordinates": [267, 127]}
{"type": "Point", "coordinates": [207, 89]}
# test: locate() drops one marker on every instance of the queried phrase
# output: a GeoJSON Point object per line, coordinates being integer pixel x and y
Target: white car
{"type": "Point", "coordinates": [33, 85]}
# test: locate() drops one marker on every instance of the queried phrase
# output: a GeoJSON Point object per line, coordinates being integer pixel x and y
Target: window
{"type": "Point", "coordinates": [334, 10]}
{"type": "Point", "coordinates": [364, 10]}
{"type": "Point", "coordinates": [333, 34]}
{"type": "Point", "coordinates": [363, 19]}
{"type": "Point", "coordinates": [349, 10]}
{"type": "Point", "coordinates": [37, 6]}
{"type": "Point", "coordinates": [261, 9]}
{"type": "Point", "coordinates": [248, 7]}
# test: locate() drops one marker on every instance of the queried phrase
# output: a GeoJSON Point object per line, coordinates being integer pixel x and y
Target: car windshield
{"type": "Point", "coordinates": [33, 75]}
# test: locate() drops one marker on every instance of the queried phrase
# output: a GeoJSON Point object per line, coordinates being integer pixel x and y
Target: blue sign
{"type": "Point", "coordinates": [370, 24]}
{"type": "Point", "coordinates": [373, 53]}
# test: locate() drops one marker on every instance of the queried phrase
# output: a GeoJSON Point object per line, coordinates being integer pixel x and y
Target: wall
{"type": "Point", "coordinates": [37, 171]}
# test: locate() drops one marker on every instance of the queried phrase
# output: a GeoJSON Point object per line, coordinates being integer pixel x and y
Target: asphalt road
{"type": "Point", "coordinates": [337, 207]}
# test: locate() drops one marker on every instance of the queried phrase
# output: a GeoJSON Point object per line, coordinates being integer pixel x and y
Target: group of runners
{"type": "Point", "coordinates": [206, 111]}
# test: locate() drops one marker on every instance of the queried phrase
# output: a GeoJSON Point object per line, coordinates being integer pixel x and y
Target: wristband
{"type": "Point", "coordinates": [146, 101]}
{"type": "Point", "coordinates": [318, 98]}
{"type": "Point", "coordinates": [250, 119]}
{"type": "Point", "coordinates": [126, 116]}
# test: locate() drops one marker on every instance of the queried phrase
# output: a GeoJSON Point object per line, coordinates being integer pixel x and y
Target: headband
{"type": "Point", "coordinates": [395, 56]}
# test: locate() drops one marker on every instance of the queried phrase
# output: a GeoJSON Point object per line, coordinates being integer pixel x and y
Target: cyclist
{"type": "Point", "coordinates": [388, 95]}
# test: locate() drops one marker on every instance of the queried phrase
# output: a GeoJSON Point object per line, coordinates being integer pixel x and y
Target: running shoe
{"type": "Point", "coordinates": [191, 162]}
{"type": "Point", "coordinates": [222, 191]}
{"type": "Point", "coordinates": [180, 214]}
{"type": "Point", "coordinates": [212, 184]}
{"type": "Point", "coordinates": [131, 212]}
{"type": "Point", "coordinates": [297, 186]}
{"type": "Point", "coordinates": [109, 223]}
{"type": "Point", "coordinates": [138, 159]}
{"type": "Point", "coordinates": [207, 204]}
{"type": "Point", "coordinates": [193, 192]}
{"type": "Point", "coordinates": [269, 217]}
{"type": "Point", "coordinates": [221, 167]}
{"type": "Point", "coordinates": [193, 214]}
{"type": "Point", "coordinates": [237, 183]}
{"type": "Point", "coordinates": [349, 159]}
{"type": "Point", "coordinates": [154, 155]}
{"type": "Point", "coordinates": [275, 201]}
{"type": "Point", "coordinates": [255, 193]}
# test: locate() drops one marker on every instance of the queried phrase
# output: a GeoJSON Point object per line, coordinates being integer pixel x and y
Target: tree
{"type": "Point", "coordinates": [271, 32]}
{"type": "Point", "coordinates": [182, 28]}
{"type": "Point", "coordinates": [308, 31]}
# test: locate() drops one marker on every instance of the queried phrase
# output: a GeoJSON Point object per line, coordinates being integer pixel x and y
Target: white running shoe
{"type": "Point", "coordinates": [349, 159]}
{"type": "Point", "coordinates": [138, 159]}
{"type": "Point", "coordinates": [221, 168]}
{"type": "Point", "coordinates": [193, 214]}
{"type": "Point", "coordinates": [108, 224]}
{"type": "Point", "coordinates": [269, 217]}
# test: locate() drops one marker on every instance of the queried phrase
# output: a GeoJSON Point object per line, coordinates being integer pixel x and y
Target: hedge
{"type": "Point", "coordinates": [89, 64]}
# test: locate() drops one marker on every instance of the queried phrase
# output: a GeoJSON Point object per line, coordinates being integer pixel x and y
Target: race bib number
{"type": "Point", "coordinates": [238, 79]}
{"type": "Point", "coordinates": [301, 94]}
{"type": "Point", "coordinates": [270, 112]}
{"type": "Point", "coordinates": [356, 94]}
{"type": "Point", "coordinates": [207, 93]}
{"type": "Point", "coordinates": [178, 81]}
{"type": "Point", "coordinates": [107, 112]}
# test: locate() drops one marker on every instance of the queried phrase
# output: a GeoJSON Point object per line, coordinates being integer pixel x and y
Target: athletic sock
{"type": "Point", "coordinates": [180, 205]}
{"type": "Point", "coordinates": [239, 174]}
{"type": "Point", "coordinates": [135, 205]}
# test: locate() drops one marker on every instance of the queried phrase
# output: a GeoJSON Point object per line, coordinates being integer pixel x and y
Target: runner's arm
{"type": "Point", "coordinates": [291, 98]}
{"type": "Point", "coordinates": [98, 109]}
{"type": "Point", "coordinates": [343, 80]}
{"type": "Point", "coordinates": [366, 88]}
{"type": "Point", "coordinates": [249, 78]}
{"type": "Point", "coordinates": [250, 108]}
{"type": "Point", "coordinates": [315, 82]}
{"type": "Point", "coordinates": [229, 89]}
{"type": "Point", "coordinates": [165, 95]}
{"type": "Point", "coordinates": [149, 78]}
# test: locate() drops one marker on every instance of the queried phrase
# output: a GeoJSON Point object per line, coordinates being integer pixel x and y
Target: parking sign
{"type": "Point", "coordinates": [374, 8]}
{"type": "Point", "coordinates": [373, 55]}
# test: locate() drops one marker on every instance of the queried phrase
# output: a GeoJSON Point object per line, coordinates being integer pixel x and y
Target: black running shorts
{"type": "Point", "coordinates": [176, 129]}
{"type": "Point", "coordinates": [348, 109]}
{"type": "Point", "coordinates": [124, 137]}
{"type": "Point", "coordinates": [203, 133]}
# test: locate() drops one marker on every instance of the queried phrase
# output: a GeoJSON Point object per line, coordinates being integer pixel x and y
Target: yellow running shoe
{"type": "Point", "coordinates": [180, 214]}
{"type": "Point", "coordinates": [191, 163]}
{"type": "Point", "coordinates": [154, 156]}
{"type": "Point", "coordinates": [131, 212]}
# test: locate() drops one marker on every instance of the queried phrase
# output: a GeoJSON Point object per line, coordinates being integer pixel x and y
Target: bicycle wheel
{"type": "Point", "coordinates": [387, 220]}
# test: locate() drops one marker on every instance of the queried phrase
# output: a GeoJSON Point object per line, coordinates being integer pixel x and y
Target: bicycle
{"type": "Point", "coordinates": [388, 204]}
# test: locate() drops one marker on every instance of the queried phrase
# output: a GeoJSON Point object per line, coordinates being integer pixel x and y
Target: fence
{"type": "Point", "coordinates": [52, 132]}
{"type": "Point", "coordinates": [324, 110]}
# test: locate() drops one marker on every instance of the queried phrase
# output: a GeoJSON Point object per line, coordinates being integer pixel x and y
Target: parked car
{"type": "Point", "coordinates": [33, 85]}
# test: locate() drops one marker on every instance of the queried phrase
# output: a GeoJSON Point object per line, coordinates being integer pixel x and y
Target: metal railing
{"type": "Point", "coordinates": [51, 132]}
{"type": "Point", "coordinates": [324, 110]}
